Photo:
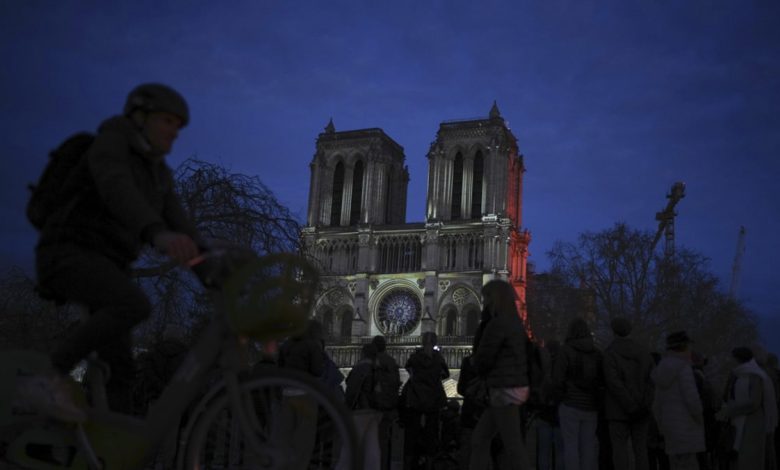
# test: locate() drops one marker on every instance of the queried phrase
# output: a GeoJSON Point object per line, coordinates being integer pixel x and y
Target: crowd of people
{"type": "Point", "coordinates": [571, 405]}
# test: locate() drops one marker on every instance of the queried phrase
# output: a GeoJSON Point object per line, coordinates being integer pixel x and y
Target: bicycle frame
{"type": "Point", "coordinates": [216, 349]}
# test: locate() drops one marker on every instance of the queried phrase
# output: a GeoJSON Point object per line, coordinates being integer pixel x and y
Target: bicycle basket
{"type": "Point", "coordinates": [270, 297]}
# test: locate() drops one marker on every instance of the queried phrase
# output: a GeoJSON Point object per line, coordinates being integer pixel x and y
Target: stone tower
{"type": "Point", "coordinates": [357, 177]}
{"type": "Point", "coordinates": [475, 171]}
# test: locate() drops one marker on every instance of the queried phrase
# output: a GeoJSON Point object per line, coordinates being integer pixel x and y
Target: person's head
{"type": "Point", "coordinates": [159, 112]}
{"type": "Point", "coordinates": [578, 328]}
{"type": "Point", "coordinates": [314, 330]}
{"type": "Point", "coordinates": [742, 354]}
{"type": "Point", "coordinates": [429, 339]}
{"type": "Point", "coordinates": [679, 342]}
{"type": "Point", "coordinates": [621, 326]}
{"type": "Point", "coordinates": [368, 351]}
{"type": "Point", "coordinates": [380, 342]}
{"type": "Point", "coordinates": [499, 298]}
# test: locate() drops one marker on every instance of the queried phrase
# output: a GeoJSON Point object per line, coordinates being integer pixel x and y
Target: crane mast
{"type": "Point", "coordinates": [665, 219]}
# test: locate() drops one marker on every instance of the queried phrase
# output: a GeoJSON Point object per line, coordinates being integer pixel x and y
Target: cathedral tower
{"type": "Point", "coordinates": [357, 177]}
{"type": "Point", "coordinates": [475, 171]}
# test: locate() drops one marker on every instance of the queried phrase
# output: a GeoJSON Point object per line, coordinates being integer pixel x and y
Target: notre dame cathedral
{"type": "Point", "coordinates": [383, 275]}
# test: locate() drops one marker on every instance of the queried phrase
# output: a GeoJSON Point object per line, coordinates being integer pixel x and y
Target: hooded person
{"type": "Point", "coordinates": [629, 394]}
{"type": "Point", "coordinates": [676, 406]}
{"type": "Point", "coordinates": [578, 375]}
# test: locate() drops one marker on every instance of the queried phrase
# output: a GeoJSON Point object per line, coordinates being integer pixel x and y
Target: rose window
{"type": "Point", "coordinates": [399, 312]}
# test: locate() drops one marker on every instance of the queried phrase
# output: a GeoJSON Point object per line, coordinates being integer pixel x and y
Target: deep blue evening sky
{"type": "Point", "coordinates": [612, 102]}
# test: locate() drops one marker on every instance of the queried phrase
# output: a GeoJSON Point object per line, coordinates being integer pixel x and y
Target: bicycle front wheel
{"type": "Point", "coordinates": [296, 421]}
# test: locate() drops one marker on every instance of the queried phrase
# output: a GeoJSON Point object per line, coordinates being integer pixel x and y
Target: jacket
{"type": "Point", "coordinates": [752, 410]}
{"type": "Point", "coordinates": [359, 393]}
{"type": "Point", "coordinates": [629, 388]}
{"type": "Point", "coordinates": [677, 407]}
{"type": "Point", "coordinates": [424, 390]}
{"type": "Point", "coordinates": [578, 374]}
{"type": "Point", "coordinates": [124, 196]}
{"type": "Point", "coordinates": [501, 354]}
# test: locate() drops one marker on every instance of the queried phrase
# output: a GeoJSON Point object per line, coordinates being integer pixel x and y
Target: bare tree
{"type": "Point", "coordinates": [236, 208]}
{"type": "Point", "coordinates": [553, 303]}
{"type": "Point", "coordinates": [659, 294]}
{"type": "Point", "coordinates": [27, 321]}
{"type": "Point", "coordinates": [226, 207]}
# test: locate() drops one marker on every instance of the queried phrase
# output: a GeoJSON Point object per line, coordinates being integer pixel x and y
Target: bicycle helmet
{"type": "Point", "coordinates": [151, 97]}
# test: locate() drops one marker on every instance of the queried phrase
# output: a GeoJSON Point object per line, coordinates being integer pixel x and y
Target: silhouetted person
{"type": "Point", "coordinates": [761, 356]}
{"type": "Point", "coordinates": [774, 374]}
{"type": "Point", "coordinates": [677, 407]}
{"type": "Point", "coordinates": [501, 359]}
{"type": "Point", "coordinates": [302, 352]}
{"type": "Point", "coordinates": [387, 387]}
{"type": "Point", "coordinates": [549, 440]}
{"type": "Point", "coordinates": [707, 396]}
{"type": "Point", "coordinates": [629, 395]}
{"type": "Point", "coordinates": [425, 397]}
{"type": "Point", "coordinates": [578, 375]}
{"type": "Point", "coordinates": [125, 200]}
{"type": "Point", "coordinates": [656, 456]}
{"type": "Point", "coordinates": [361, 399]}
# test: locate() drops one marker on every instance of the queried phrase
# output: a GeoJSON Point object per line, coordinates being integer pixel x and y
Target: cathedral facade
{"type": "Point", "coordinates": [382, 275]}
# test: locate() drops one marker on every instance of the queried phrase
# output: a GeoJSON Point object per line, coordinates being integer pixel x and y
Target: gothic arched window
{"type": "Point", "coordinates": [457, 187]}
{"type": "Point", "coordinates": [476, 191]}
{"type": "Point", "coordinates": [337, 195]}
{"type": "Point", "coordinates": [357, 193]}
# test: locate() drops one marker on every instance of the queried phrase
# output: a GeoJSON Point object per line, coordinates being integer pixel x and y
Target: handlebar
{"type": "Point", "coordinates": [260, 294]}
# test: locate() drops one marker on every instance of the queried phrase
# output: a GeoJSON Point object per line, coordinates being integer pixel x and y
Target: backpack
{"type": "Point", "coordinates": [358, 394]}
{"type": "Point", "coordinates": [424, 390]}
{"type": "Point", "coordinates": [51, 194]}
{"type": "Point", "coordinates": [387, 383]}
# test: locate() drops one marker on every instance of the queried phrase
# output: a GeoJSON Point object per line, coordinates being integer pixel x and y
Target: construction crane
{"type": "Point", "coordinates": [737, 266]}
{"type": "Point", "coordinates": [665, 219]}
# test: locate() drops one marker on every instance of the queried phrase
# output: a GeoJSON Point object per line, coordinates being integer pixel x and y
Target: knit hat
{"type": "Point", "coordinates": [677, 339]}
{"type": "Point", "coordinates": [621, 326]}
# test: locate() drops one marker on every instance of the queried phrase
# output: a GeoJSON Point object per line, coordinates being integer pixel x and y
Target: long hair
{"type": "Point", "coordinates": [499, 298]}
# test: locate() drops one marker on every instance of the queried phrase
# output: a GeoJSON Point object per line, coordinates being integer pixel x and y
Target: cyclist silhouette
{"type": "Point", "coordinates": [126, 200]}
